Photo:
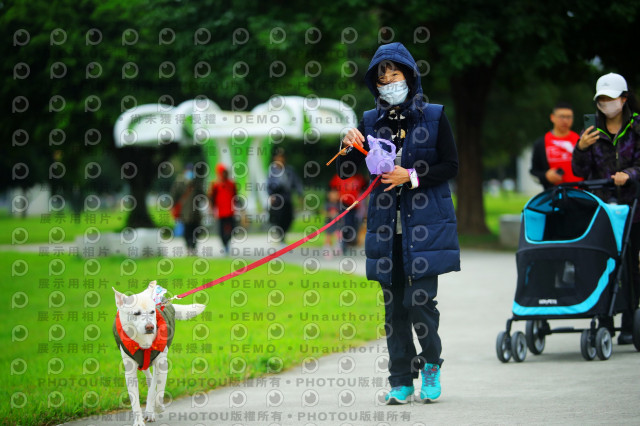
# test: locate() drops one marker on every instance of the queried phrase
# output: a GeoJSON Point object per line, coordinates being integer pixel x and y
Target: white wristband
{"type": "Point", "coordinates": [413, 176]}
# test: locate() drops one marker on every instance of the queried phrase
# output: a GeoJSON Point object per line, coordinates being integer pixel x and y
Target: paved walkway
{"type": "Point", "coordinates": [557, 387]}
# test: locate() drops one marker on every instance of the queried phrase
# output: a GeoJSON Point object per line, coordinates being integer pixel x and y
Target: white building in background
{"type": "Point", "coordinates": [525, 182]}
{"type": "Point", "coordinates": [34, 201]}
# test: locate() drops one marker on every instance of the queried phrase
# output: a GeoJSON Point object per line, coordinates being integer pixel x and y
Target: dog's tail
{"type": "Point", "coordinates": [185, 312]}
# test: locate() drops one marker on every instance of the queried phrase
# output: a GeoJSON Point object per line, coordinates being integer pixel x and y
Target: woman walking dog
{"type": "Point", "coordinates": [411, 226]}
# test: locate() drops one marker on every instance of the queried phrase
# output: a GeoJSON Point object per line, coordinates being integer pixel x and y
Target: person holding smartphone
{"type": "Point", "coordinates": [551, 160]}
{"type": "Point", "coordinates": [611, 149]}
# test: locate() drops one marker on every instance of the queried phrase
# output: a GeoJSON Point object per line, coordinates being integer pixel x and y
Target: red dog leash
{"type": "Point", "coordinates": [283, 250]}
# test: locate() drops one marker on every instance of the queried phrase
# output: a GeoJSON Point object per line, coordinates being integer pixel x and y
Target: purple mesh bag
{"type": "Point", "coordinates": [379, 160]}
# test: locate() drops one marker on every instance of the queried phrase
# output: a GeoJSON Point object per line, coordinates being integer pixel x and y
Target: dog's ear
{"type": "Point", "coordinates": [119, 298]}
{"type": "Point", "coordinates": [152, 288]}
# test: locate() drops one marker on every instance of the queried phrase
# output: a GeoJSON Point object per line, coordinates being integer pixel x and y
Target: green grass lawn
{"type": "Point", "coordinates": [507, 203]}
{"type": "Point", "coordinates": [64, 363]}
{"type": "Point", "coordinates": [64, 226]}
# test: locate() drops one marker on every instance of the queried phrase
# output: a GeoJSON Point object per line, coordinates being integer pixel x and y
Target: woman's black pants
{"type": "Point", "coordinates": [410, 307]}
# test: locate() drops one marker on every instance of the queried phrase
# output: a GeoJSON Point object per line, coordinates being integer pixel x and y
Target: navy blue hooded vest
{"type": "Point", "coordinates": [429, 230]}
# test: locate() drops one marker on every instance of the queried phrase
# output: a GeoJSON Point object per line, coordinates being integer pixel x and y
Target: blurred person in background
{"type": "Point", "coordinates": [331, 211]}
{"type": "Point", "coordinates": [222, 193]}
{"type": "Point", "coordinates": [184, 191]}
{"type": "Point", "coordinates": [349, 189]}
{"type": "Point", "coordinates": [282, 182]}
{"type": "Point", "coordinates": [551, 159]}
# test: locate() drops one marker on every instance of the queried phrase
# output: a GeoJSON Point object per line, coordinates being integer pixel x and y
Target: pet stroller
{"type": "Point", "coordinates": [571, 263]}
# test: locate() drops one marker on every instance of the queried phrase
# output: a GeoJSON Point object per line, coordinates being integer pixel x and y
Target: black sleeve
{"type": "Point", "coordinates": [539, 163]}
{"type": "Point", "coordinates": [347, 165]}
{"type": "Point", "coordinates": [447, 166]}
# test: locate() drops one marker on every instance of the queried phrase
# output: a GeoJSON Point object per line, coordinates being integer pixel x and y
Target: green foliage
{"type": "Point", "coordinates": [241, 53]}
{"type": "Point", "coordinates": [469, 45]}
{"type": "Point", "coordinates": [124, 53]}
{"type": "Point", "coordinates": [73, 89]}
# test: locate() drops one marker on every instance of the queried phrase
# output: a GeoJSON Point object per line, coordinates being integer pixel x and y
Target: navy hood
{"type": "Point", "coordinates": [399, 54]}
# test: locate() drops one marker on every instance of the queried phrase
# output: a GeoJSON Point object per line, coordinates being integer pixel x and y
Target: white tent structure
{"type": "Point", "coordinates": [241, 140]}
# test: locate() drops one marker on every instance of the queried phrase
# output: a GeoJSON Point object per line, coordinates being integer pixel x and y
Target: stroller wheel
{"type": "Point", "coordinates": [587, 349]}
{"type": "Point", "coordinates": [636, 329]}
{"type": "Point", "coordinates": [518, 346]}
{"type": "Point", "coordinates": [604, 345]}
{"type": "Point", "coordinates": [503, 347]}
{"type": "Point", "coordinates": [535, 336]}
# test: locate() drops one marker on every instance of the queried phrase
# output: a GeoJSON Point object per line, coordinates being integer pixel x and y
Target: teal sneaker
{"type": "Point", "coordinates": [430, 383]}
{"type": "Point", "coordinates": [399, 395]}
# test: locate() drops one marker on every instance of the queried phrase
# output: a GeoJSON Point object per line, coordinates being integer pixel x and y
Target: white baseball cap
{"type": "Point", "coordinates": [611, 85]}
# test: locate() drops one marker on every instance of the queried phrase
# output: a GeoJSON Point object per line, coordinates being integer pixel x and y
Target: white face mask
{"type": "Point", "coordinates": [611, 109]}
{"type": "Point", "coordinates": [394, 93]}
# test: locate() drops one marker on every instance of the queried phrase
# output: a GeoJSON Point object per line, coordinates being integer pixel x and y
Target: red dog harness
{"type": "Point", "coordinates": [145, 357]}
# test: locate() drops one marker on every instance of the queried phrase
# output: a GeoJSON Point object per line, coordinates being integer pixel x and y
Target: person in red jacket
{"type": "Point", "coordinates": [551, 160]}
{"type": "Point", "coordinates": [349, 190]}
{"type": "Point", "coordinates": [221, 196]}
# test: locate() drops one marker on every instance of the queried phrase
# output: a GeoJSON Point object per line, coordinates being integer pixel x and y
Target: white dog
{"type": "Point", "coordinates": [143, 330]}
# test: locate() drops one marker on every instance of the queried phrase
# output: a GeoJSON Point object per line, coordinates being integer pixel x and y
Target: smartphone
{"type": "Point", "coordinates": [589, 120]}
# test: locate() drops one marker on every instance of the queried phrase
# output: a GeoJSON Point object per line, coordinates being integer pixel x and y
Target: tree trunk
{"type": "Point", "coordinates": [139, 217]}
{"type": "Point", "coordinates": [470, 91]}
{"type": "Point", "coordinates": [141, 176]}
{"type": "Point", "coordinates": [138, 169]}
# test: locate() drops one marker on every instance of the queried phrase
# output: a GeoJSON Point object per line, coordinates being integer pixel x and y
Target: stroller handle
{"type": "Point", "coordinates": [601, 183]}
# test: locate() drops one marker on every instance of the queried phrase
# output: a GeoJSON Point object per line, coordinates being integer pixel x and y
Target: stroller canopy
{"type": "Point", "coordinates": [562, 215]}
